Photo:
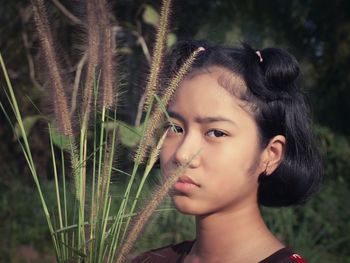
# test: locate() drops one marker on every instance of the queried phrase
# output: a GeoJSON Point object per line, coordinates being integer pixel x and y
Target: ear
{"type": "Point", "coordinates": [273, 154]}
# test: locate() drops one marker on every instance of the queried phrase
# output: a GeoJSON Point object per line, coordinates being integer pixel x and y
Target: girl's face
{"type": "Point", "coordinates": [211, 125]}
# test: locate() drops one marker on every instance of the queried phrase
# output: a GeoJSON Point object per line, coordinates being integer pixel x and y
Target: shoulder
{"type": "Point", "coordinates": [284, 255]}
{"type": "Point", "coordinates": [167, 254]}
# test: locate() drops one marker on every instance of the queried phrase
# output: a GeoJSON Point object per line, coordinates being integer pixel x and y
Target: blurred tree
{"type": "Point", "coordinates": [318, 32]}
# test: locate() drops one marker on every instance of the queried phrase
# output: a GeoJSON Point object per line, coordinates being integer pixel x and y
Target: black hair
{"type": "Point", "coordinates": [271, 77]}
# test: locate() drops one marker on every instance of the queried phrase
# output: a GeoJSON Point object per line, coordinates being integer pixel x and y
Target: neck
{"type": "Point", "coordinates": [231, 237]}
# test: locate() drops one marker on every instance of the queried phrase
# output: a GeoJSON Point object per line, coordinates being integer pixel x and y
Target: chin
{"type": "Point", "coordinates": [184, 205]}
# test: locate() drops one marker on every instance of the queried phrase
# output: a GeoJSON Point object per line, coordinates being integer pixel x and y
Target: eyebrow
{"type": "Point", "coordinates": [208, 119]}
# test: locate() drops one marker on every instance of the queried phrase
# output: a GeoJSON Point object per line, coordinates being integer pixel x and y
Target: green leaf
{"type": "Point", "coordinates": [150, 16]}
{"type": "Point", "coordinates": [172, 38]}
{"type": "Point", "coordinates": [28, 123]}
{"type": "Point", "coordinates": [60, 140]}
{"type": "Point", "coordinates": [129, 135]}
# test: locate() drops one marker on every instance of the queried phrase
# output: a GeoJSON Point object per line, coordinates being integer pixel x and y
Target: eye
{"type": "Point", "coordinates": [173, 128]}
{"type": "Point", "coordinates": [216, 133]}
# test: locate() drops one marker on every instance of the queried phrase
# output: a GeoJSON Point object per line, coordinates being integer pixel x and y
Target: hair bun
{"type": "Point", "coordinates": [281, 68]}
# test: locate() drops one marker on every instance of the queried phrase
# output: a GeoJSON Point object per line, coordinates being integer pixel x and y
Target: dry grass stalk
{"type": "Point", "coordinates": [158, 53]}
{"type": "Point", "coordinates": [158, 114]}
{"type": "Point", "coordinates": [93, 56]}
{"type": "Point", "coordinates": [146, 213]}
{"type": "Point", "coordinates": [107, 69]}
{"type": "Point", "coordinates": [75, 166]}
{"type": "Point", "coordinates": [107, 74]}
{"type": "Point", "coordinates": [100, 56]}
{"type": "Point", "coordinates": [105, 172]}
{"type": "Point", "coordinates": [155, 153]}
{"type": "Point", "coordinates": [60, 103]}
{"type": "Point", "coordinates": [175, 81]}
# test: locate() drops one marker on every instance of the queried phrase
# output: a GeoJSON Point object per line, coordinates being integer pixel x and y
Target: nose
{"type": "Point", "coordinates": [188, 152]}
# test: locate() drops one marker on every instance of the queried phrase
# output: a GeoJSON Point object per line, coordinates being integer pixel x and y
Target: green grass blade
{"type": "Point", "coordinates": [27, 152]}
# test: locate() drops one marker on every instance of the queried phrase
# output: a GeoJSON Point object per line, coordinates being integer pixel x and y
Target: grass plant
{"type": "Point", "coordinates": [88, 223]}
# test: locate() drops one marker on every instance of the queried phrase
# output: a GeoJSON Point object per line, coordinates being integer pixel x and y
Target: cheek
{"type": "Point", "coordinates": [224, 156]}
{"type": "Point", "coordinates": [165, 155]}
{"type": "Point", "coordinates": [236, 157]}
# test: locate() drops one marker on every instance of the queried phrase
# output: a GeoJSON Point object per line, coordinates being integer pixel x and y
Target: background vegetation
{"type": "Point", "coordinates": [317, 32]}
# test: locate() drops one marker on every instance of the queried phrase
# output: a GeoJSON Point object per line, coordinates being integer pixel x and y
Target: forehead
{"type": "Point", "coordinates": [230, 81]}
{"type": "Point", "coordinates": [214, 91]}
{"type": "Point", "coordinates": [216, 82]}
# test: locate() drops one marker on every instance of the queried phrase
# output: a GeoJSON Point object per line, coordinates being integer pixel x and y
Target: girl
{"type": "Point", "coordinates": [241, 119]}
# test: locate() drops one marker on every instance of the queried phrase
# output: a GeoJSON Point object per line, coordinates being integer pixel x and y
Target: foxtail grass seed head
{"type": "Point", "coordinates": [105, 170]}
{"type": "Point", "coordinates": [57, 84]}
{"type": "Point", "coordinates": [158, 53]}
{"type": "Point", "coordinates": [143, 217]}
{"type": "Point", "coordinates": [107, 69]}
{"type": "Point", "coordinates": [100, 52]}
{"type": "Point", "coordinates": [100, 66]}
{"type": "Point", "coordinates": [108, 74]}
{"type": "Point", "coordinates": [155, 153]}
{"type": "Point", "coordinates": [175, 81]}
{"type": "Point", "coordinates": [148, 138]}
{"type": "Point", "coordinates": [94, 40]}
{"type": "Point", "coordinates": [76, 168]}
{"type": "Point", "coordinates": [157, 115]}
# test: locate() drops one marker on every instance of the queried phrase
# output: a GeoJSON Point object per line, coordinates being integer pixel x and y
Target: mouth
{"type": "Point", "coordinates": [187, 180]}
{"type": "Point", "coordinates": [185, 184]}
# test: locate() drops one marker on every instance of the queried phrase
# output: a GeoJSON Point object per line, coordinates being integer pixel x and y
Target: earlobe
{"type": "Point", "coordinates": [273, 154]}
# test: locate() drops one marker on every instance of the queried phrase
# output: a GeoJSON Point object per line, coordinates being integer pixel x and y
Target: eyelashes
{"type": "Point", "coordinates": [176, 129]}
{"type": "Point", "coordinates": [173, 128]}
{"type": "Point", "coordinates": [216, 133]}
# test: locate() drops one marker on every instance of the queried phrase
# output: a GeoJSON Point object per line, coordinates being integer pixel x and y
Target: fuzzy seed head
{"type": "Point", "coordinates": [60, 103]}
{"type": "Point", "coordinates": [146, 213]}
{"type": "Point", "coordinates": [158, 114]}
{"type": "Point", "coordinates": [158, 53]}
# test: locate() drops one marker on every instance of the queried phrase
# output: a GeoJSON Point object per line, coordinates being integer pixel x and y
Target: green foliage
{"type": "Point", "coordinates": [129, 135]}
{"type": "Point", "coordinates": [172, 38]}
{"type": "Point", "coordinates": [21, 221]}
{"type": "Point", "coordinates": [319, 229]}
{"type": "Point", "coordinates": [335, 150]}
{"type": "Point", "coordinates": [28, 123]}
{"type": "Point", "coordinates": [60, 140]}
{"type": "Point", "coordinates": [150, 16]}
{"type": "Point", "coordinates": [93, 229]}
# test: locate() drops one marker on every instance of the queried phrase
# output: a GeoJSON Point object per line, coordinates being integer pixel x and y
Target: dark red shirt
{"type": "Point", "coordinates": [177, 254]}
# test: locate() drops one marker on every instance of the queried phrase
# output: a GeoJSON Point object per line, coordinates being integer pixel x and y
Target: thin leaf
{"type": "Point", "coordinates": [150, 16]}
{"type": "Point", "coordinates": [28, 123]}
{"type": "Point", "coordinates": [60, 140]}
{"type": "Point", "coordinates": [172, 38]}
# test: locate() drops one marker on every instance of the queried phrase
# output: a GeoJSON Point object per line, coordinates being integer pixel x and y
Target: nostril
{"type": "Point", "coordinates": [191, 161]}
{"type": "Point", "coordinates": [180, 160]}
{"type": "Point", "coordinates": [187, 151]}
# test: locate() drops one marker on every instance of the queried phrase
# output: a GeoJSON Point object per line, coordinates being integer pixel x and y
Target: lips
{"type": "Point", "coordinates": [187, 180]}
{"type": "Point", "coordinates": [186, 185]}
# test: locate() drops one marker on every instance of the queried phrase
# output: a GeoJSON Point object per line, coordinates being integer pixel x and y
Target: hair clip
{"type": "Point", "coordinates": [259, 55]}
